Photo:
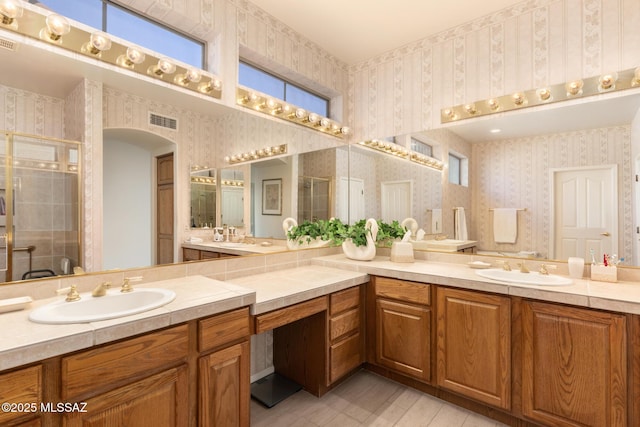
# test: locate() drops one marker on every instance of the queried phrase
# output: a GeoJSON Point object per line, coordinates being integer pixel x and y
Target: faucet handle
{"type": "Point", "coordinates": [126, 285]}
{"type": "Point", "coordinates": [505, 265]}
{"type": "Point", "coordinates": [523, 267]}
{"type": "Point", "coordinates": [544, 269]}
{"type": "Point", "coordinates": [73, 294]}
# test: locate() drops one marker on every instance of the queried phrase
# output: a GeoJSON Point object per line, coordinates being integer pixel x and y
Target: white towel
{"type": "Point", "coordinates": [505, 225]}
{"type": "Point", "coordinates": [460, 223]}
{"type": "Point", "coordinates": [436, 221]}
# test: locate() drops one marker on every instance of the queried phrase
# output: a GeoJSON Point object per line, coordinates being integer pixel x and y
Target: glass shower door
{"type": "Point", "coordinates": [41, 206]}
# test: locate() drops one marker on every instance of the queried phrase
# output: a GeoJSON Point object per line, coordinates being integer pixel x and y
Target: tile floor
{"type": "Point", "coordinates": [366, 399]}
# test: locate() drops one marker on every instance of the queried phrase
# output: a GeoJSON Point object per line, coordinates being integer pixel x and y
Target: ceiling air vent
{"type": "Point", "coordinates": [8, 44]}
{"type": "Point", "coordinates": [162, 121]}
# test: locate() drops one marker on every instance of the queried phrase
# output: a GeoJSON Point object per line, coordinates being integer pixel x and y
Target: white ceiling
{"type": "Point", "coordinates": [357, 30]}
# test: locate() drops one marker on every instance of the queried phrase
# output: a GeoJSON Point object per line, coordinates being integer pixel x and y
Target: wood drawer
{"type": "Point", "coordinates": [403, 290]}
{"type": "Point", "coordinates": [344, 357]}
{"type": "Point", "coordinates": [119, 363]}
{"type": "Point", "coordinates": [276, 318]}
{"type": "Point", "coordinates": [344, 300]}
{"type": "Point", "coordinates": [190, 254]}
{"type": "Point", "coordinates": [209, 255]}
{"type": "Point", "coordinates": [344, 324]}
{"type": "Point", "coordinates": [224, 328]}
{"type": "Point", "coordinates": [22, 387]}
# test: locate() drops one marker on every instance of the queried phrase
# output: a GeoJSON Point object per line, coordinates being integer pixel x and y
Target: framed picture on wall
{"type": "Point", "coordinates": [272, 196]}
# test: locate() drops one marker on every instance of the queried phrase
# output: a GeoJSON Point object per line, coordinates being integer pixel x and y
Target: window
{"type": "Point", "coordinates": [269, 84]}
{"type": "Point", "coordinates": [128, 25]}
{"type": "Point", "coordinates": [458, 169]}
{"type": "Point", "coordinates": [421, 147]}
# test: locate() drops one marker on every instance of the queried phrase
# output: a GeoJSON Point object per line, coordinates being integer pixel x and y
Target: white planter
{"type": "Point", "coordinates": [363, 253]}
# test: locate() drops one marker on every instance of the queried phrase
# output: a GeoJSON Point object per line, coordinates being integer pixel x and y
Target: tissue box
{"type": "Point", "coordinates": [604, 274]}
{"type": "Point", "coordinates": [402, 252]}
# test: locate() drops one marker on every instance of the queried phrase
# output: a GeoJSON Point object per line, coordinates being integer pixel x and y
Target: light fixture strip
{"type": "Point", "coordinates": [579, 88]}
{"type": "Point", "coordinates": [400, 152]}
{"type": "Point", "coordinates": [277, 108]}
{"type": "Point", "coordinates": [262, 153]}
{"type": "Point", "coordinates": [79, 40]}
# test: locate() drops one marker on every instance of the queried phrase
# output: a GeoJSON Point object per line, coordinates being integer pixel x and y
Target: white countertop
{"type": "Point", "coordinates": [278, 289]}
{"type": "Point", "coordinates": [235, 248]}
{"type": "Point", "coordinates": [196, 296]}
{"type": "Point", "coordinates": [620, 296]}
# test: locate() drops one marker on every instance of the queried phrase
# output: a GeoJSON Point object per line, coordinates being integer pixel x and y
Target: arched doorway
{"type": "Point", "coordinates": [129, 196]}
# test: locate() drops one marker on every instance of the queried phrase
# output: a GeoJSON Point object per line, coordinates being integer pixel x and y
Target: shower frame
{"type": "Point", "coordinates": [9, 164]}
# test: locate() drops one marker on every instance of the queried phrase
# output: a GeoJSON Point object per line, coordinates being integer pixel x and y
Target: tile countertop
{"type": "Point", "coordinates": [196, 296]}
{"type": "Point", "coordinates": [235, 248]}
{"type": "Point", "coordinates": [278, 289]}
{"type": "Point", "coordinates": [621, 297]}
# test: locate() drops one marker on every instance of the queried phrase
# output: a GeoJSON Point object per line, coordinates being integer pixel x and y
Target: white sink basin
{"type": "Point", "coordinates": [92, 309]}
{"type": "Point", "coordinates": [515, 276]}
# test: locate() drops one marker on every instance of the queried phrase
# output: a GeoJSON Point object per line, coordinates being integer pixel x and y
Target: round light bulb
{"type": "Point", "coordinates": [57, 25]}
{"type": "Point", "coordinates": [574, 87]}
{"type": "Point", "coordinates": [300, 113]}
{"type": "Point", "coordinates": [193, 75]}
{"type": "Point", "coordinates": [544, 94]}
{"type": "Point", "coordinates": [518, 98]}
{"type": "Point", "coordinates": [470, 108]}
{"type": "Point", "coordinates": [608, 81]}
{"type": "Point", "coordinates": [100, 41]}
{"type": "Point", "coordinates": [135, 55]}
{"type": "Point", "coordinates": [10, 10]}
{"type": "Point", "coordinates": [325, 123]}
{"type": "Point", "coordinates": [166, 66]}
{"type": "Point", "coordinates": [493, 104]}
{"type": "Point", "coordinates": [313, 118]}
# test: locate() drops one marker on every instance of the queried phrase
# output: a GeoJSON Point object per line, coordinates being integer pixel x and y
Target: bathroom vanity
{"type": "Point", "coordinates": [521, 354]}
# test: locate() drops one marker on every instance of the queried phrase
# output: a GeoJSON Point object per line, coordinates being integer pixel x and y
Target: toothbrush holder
{"type": "Point", "coordinates": [604, 273]}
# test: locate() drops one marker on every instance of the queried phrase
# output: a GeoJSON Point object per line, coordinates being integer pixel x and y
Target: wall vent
{"type": "Point", "coordinates": [163, 121]}
{"type": "Point", "coordinates": [8, 44]}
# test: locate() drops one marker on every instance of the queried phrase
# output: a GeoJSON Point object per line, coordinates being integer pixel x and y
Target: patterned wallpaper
{"type": "Point", "coordinates": [533, 43]}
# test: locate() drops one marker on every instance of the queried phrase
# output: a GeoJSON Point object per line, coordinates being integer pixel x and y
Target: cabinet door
{"type": "Point", "coordinates": [160, 400]}
{"type": "Point", "coordinates": [225, 387]}
{"type": "Point", "coordinates": [574, 366]}
{"type": "Point", "coordinates": [403, 338]}
{"type": "Point", "coordinates": [474, 345]}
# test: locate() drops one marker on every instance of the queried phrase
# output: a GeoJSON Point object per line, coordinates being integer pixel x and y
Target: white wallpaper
{"type": "Point", "coordinates": [534, 43]}
{"type": "Point", "coordinates": [28, 112]}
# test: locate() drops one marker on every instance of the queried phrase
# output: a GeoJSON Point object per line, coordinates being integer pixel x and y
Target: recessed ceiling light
{"type": "Point", "coordinates": [495, 130]}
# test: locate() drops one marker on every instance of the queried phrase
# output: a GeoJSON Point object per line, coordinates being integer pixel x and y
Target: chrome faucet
{"type": "Point", "coordinates": [126, 286]}
{"type": "Point", "coordinates": [101, 289]}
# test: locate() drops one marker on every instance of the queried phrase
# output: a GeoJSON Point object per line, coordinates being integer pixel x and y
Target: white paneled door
{"type": "Point", "coordinates": [584, 212]}
{"type": "Point", "coordinates": [396, 200]}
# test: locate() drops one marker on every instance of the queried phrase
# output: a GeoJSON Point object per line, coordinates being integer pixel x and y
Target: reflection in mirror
{"type": "Point", "coordinates": [390, 188]}
{"type": "Point", "coordinates": [232, 197]}
{"type": "Point", "coordinates": [39, 207]}
{"type": "Point", "coordinates": [203, 197]}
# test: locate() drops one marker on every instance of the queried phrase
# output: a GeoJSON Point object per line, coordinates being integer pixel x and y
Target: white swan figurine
{"type": "Point", "coordinates": [363, 253]}
{"type": "Point", "coordinates": [301, 243]}
{"type": "Point", "coordinates": [410, 224]}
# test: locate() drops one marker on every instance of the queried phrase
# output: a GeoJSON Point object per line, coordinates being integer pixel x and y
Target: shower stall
{"type": "Point", "coordinates": [314, 198]}
{"type": "Point", "coordinates": [39, 206]}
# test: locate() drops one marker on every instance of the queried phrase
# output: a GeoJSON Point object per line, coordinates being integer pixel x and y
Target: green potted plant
{"type": "Point", "coordinates": [318, 233]}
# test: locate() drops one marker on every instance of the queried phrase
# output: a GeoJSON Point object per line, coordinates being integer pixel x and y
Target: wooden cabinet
{"type": "Point", "coordinates": [160, 400]}
{"type": "Point", "coordinates": [22, 388]}
{"type": "Point", "coordinates": [474, 345]}
{"type": "Point", "coordinates": [345, 334]}
{"type": "Point", "coordinates": [224, 387]}
{"type": "Point", "coordinates": [403, 319]}
{"type": "Point", "coordinates": [189, 254]}
{"type": "Point", "coordinates": [574, 366]}
{"type": "Point", "coordinates": [224, 383]}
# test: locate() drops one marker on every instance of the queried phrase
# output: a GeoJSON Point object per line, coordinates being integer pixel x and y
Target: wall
{"type": "Point", "coordinates": [531, 44]}
{"type": "Point", "coordinates": [127, 214]}
{"type": "Point", "coordinates": [271, 225]}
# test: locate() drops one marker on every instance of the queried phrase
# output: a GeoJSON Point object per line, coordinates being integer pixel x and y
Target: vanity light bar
{"type": "Point", "coordinates": [396, 150]}
{"type": "Point", "coordinates": [579, 88]}
{"type": "Point", "coordinates": [61, 32]}
{"type": "Point", "coordinates": [203, 180]}
{"type": "Point", "coordinates": [257, 154]}
{"type": "Point", "coordinates": [277, 108]}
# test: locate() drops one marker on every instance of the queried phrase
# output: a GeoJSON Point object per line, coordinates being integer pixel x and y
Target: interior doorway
{"type": "Point", "coordinates": [129, 197]}
{"type": "Point", "coordinates": [395, 199]}
{"type": "Point", "coordinates": [584, 212]}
